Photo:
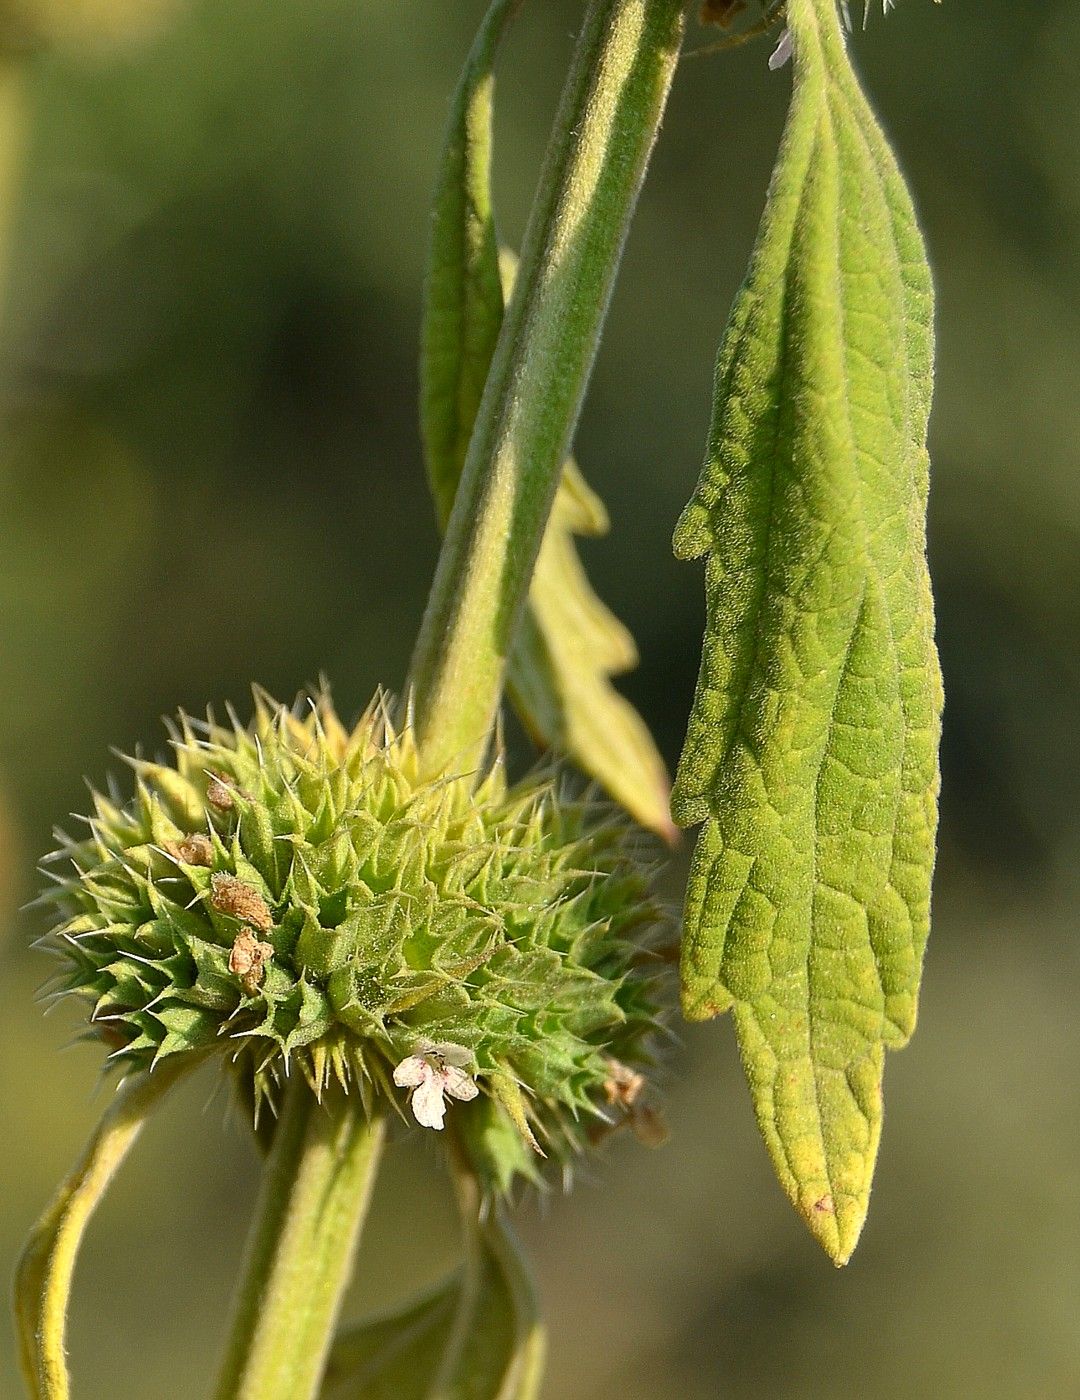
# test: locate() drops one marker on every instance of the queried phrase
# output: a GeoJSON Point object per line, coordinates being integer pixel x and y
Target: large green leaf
{"type": "Point", "coordinates": [569, 644]}
{"type": "Point", "coordinates": [811, 753]}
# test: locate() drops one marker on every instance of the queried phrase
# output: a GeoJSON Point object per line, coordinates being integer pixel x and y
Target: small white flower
{"type": "Point", "coordinates": [437, 1068]}
{"type": "Point", "coordinates": [782, 52]}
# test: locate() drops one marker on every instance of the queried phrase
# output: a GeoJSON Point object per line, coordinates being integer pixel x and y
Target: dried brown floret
{"type": "Point", "coordinates": [218, 795]}
{"type": "Point", "coordinates": [247, 960]}
{"type": "Point", "coordinates": [196, 849]}
{"type": "Point", "coordinates": [231, 896]}
{"type": "Point", "coordinates": [623, 1086]}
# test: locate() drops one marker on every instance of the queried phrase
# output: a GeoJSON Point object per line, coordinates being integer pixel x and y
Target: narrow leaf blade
{"type": "Point", "coordinates": [44, 1274]}
{"type": "Point", "coordinates": [463, 298]}
{"type": "Point", "coordinates": [811, 753]}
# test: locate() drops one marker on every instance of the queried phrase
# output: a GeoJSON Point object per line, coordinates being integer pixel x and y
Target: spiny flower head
{"type": "Point", "coordinates": [293, 894]}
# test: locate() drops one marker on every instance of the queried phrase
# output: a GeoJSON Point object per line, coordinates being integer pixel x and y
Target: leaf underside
{"type": "Point", "coordinates": [569, 644]}
{"type": "Point", "coordinates": [473, 1337]}
{"type": "Point", "coordinates": [811, 752]}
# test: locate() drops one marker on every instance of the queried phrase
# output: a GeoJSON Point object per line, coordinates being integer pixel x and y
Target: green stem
{"type": "Point", "coordinates": [44, 1274]}
{"type": "Point", "coordinates": [604, 131]}
{"type": "Point", "coordinates": [315, 1191]}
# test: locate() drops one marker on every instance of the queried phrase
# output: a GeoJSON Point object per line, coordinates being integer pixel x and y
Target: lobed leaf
{"type": "Point", "coordinates": [568, 647]}
{"type": "Point", "coordinates": [811, 752]}
{"type": "Point", "coordinates": [569, 644]}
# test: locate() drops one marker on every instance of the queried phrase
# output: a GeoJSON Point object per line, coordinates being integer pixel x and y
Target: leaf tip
{"type": "Point", "coordinates": [836, 1228]}
{"type": "Point", "coordinates": [658, 818]}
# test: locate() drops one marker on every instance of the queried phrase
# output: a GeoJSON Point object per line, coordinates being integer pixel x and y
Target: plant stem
{"type": "Point", "coordinates": [315, 1191]}
{"type": "Point", "coordinates": [45, 1269]}
{"type": "Point", "coordinates": [604, 131]}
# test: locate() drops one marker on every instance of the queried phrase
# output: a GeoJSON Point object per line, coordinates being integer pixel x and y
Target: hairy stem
{"type": "Point", "coordinates": [604, 131]}
{"type": "Point", "coordinates": [314, 1196]}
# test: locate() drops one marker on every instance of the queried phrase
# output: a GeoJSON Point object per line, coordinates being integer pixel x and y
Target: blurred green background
{"type": "Point", "coordinates": [209, 473]}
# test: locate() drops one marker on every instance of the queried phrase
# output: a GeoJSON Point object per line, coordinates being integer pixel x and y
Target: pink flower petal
{"type": "Point", "coordinates": [412, 1071]}
{"type": "Point", "coordinates": [461, 1085]}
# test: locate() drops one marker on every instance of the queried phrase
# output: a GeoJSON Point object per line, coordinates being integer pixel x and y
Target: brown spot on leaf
{"type": "Point", "coordinates": [231, 896]}
{"type": "Point", "coordinates": [824, 1204]}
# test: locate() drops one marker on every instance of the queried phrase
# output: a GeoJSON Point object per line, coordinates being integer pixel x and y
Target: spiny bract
{"type": "Point", "coordinates": [292, 893]}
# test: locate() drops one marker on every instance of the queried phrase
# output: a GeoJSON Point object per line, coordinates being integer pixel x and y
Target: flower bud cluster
{"type": "Point", "coordinates": [293, 894]}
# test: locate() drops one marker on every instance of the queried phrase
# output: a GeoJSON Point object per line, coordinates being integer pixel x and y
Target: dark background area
{"type": "Point", "coordinates": [210, 473]}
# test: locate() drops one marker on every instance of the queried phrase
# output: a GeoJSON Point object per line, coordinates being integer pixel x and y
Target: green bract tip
{"type": "Point", "coordinates": [292, 894]}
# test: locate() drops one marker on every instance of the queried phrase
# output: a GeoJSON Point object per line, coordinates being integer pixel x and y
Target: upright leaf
{"type": "Point", "coordinates": [811, 754]}
{"type": "Point", "coordinates": [463, 295]}
{"type": "Point", "coordinates": [570, 644]}
{"type": "Point", "coordinates": [43, 1278]}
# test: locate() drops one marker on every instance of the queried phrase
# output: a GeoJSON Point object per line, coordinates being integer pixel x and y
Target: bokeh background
{"type": "Point", "coordinates": [214, 220]}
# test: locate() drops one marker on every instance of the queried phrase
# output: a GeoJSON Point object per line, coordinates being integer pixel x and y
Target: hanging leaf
{"type": "Point", "coordinates": [500, 1341]}
{"type": "Point", "coordinates": [568, 647]}
{"type": "Point", "coordinates": [811, 754]}
{"type": "Point", "coordinates": [473, 1337]}
{"type": "Point", "coordinates": [569, 644]}
{"type": "Point", "coordinates": [43, 1278]}
{"type": "Point", "coordinates": [393, 1357]}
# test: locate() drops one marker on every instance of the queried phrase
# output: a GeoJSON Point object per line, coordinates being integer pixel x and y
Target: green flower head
{"type": "Point", "coordinates": [291, 894]}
